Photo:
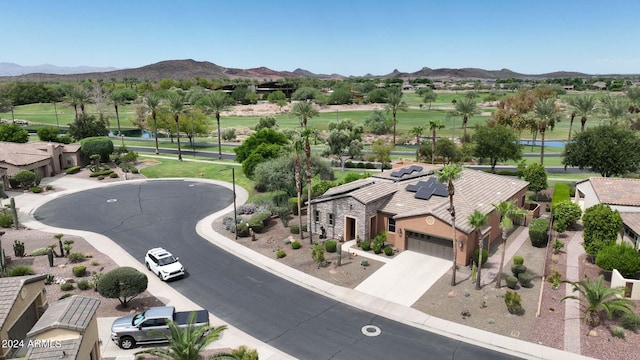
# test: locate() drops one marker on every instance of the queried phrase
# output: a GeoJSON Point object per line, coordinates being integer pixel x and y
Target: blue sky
{"type": "Point", "coordinates": [348, 37]}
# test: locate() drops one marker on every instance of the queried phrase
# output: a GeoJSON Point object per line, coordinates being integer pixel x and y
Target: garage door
{"type": "Point", "coordinates": [430, 245]}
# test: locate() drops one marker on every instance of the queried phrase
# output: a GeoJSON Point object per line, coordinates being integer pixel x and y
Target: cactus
{"type": "Point", "coordinates": [3, 263]}
{"type": "Point", "coordinates": [15, 213]}
{"type": "Point", "coordinates": [18, 248]}
{"type": "Point", "coordinates": [50, 256]}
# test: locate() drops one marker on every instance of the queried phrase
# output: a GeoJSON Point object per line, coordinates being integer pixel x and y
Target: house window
{"type": "Point", "coordinates": [316, 215]}
{"type": "Point", "coordinates": [330, 220]}
{"type": "Point", "coordinates": [524, 200]}
{"type": "Point", "coordinates": [392, 225]}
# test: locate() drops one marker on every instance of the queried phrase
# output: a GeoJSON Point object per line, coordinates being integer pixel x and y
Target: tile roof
{"type": "Point", "coordinates": [73, 313]}
{"type": "Point", "coordinates": [632, 220]}
{"type": "Point", "coordinates": [9, 291]}
{"type": "Point", "coordinates": [67, 349]}
{"type": "Point", "coordinates": [617, 191]}
{"type": "Point", "coordinates": [30, 152]}
{"type": "Point", "coordinates": [473, 190]}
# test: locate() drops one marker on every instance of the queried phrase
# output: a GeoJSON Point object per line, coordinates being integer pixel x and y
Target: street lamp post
{"type": "Point", "coordinates": [55, 108]}
{"type": "Point", "coordinates": [235, 211]}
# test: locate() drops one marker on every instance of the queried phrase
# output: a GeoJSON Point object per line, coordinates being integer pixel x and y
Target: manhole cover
{"type": "Point", "coordinates": [112, 200]}
{"type": "Point", "coordinates": [371, 330]}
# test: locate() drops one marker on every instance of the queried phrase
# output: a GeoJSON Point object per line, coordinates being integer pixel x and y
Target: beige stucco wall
{"type": "Point", "coordinates": [30, 293]}
{"type": "Point", "coordinates": [89, 339]}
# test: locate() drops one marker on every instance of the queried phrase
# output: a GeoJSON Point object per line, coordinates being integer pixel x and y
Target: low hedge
{"type": "Point", "coordinates": [101, 173]}
{"type": "Point", "coordinates": [331, 246]}
{"type": "Point", "coordinates": [258, 221]}
{"type": "Point", "coordinates": [72, 170]}
{"type": "Point", "coordinates": [538, 232]}
{"type": "Point", "coordinates": [561, 192]}
{"type": "Point", "coordinates": [295, 229]}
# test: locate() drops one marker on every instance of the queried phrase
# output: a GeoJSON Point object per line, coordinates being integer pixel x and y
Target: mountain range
{"type": "Point", "coordinates": [190, 69]}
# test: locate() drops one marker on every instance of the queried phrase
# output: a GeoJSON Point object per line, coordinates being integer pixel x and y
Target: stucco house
{"type": "Point", "coordinates": [412, 207]}
{"type": "Point", "coordinates": [67, 330]}
{"type": "Point", "coordinates": [42, 157]}
{"type": "Point", "coordinates": [620, 194]}
{"type": "Point", "coordinates": [22, 303]}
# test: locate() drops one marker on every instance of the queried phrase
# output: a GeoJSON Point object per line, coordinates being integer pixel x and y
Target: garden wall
{"type": "Point", "coordinates": [632, 285]}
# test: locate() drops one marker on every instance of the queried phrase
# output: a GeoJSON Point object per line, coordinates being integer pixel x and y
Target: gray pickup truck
{"type": "Point", "coordinates": [151, 326]}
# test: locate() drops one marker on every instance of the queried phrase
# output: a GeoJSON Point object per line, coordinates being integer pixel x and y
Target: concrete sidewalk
{"type": "Point", "coordinates": [391, 308]}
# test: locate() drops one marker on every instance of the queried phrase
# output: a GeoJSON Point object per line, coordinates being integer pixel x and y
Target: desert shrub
{"type": "Point", "coordinates": [513, 301]}
{"type": "Point", "coordinates": [622, 257]}
{"type": "Point", "coordinates": [630, 322]}
{"type": "Point", "coordinates": [555, 278]}
{"type": "Point", "coordinates": [49, 279]}
{"type": "Point", "coordinates": [67, 287]}
{"type": "Point", "coordinates": [39, 252]}
{"type": "Point", "coordinates": [380, 239]}
{"type": "Point", "coordinates": [283, 214]}
{"type": "Point", "coordinates": [247, 209]}
{"type": "Point", "coordinates": [567, 212]}
{"type": "Point", "coordinates": [35, 189]}
{"type": "Point", "coordinates": [525, 279]}
{"type": "Point", "coordinates": [228, 134]}
{"type": "Point", "coordinates": [296, 245]}
{"type": "Point", "coordinates": [6, 219]}
{"type": "Point", "coordinates": [84, 284]}
{"type": "Point", "coordinates": [388, 251]}
{"type": "Point", "coordinates": [25, 178]}
{"type": "Point", "coordinates": [365, 245]}
{"type": "Point", "coordinates": [349, 164]}
{"type": "Point", "coordinates": [72, 170]}
{"type": "Point", "coordinates": [518, 269]}
{"type": "Point", "coordinates": [20, 270]}
{"type": "Point", "coordinates": [538, 231]}
{"type": "Point", "coordinates": [258, 221]}
{"type": "Point", "coordinates": [518, 260]}
{"type": "Point", "coordinates": [76, 257]}
{"type": "Point", "coordinates": [18, 248]}
{"type": "Point", "coordinates": [79, 271]}
{"type": "Point", "coordinates": [557, 245]}
{"type": "Point", "coordinates": [618, 332]}
{"type": "Point", "coordinates": [360, 165]}
{"type": "Point", "coordinates": [369, 165]}
{"type": "Point", "coordinates": [113, 175]}
{"type": "Point", "coordinates": [377, 248]}
{"type": "Point", "coordinates": [295, 229]}
{"type": "Point", "coordinates": [512, 281]}
{"type": "Point", "coordinates": [102, 173]}
{"type": "Point", "coordinates": [293, 205]}
{"type": "Point", "coordinates": [100, 145]}
{"type": "Point", "coordinates": [331, 246]}
{"type": "Point", "coordinates": [280, 254]}
{"type": "Point", "coordinates": [485, 256]}
{"type": "Point", "coordinates": [242, 229]}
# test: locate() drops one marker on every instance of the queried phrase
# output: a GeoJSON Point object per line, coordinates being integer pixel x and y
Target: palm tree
{"type": "Point", "coordinates": [395, 103]}
{"type": "Point", "coordinates": [584, 105]}
{"type": "Point", "coordinates": [297, 145]}
{"type": "Point", "coordinates": [78, 98]}
{"type": "Point", "coordinates": [478, 220]}
{"type": "Point", "coordinates": [547, 114]}
{"type": "Point", "coordinates": [433, 126]}
{"type": "Point", "coordinates": [417, 132]}
{"type": "Point", "coordinates": [509, 213]}
{"type": "Point", "coordinates": [448, 175]}
{"type": "Point", "coordinates": [615, 107]}
{"type": "Point", "coordinates": [117, 99]}
{"type": "Point", "coordinates": [573, 116]}
{"type": "Point", "coordinates": [153, 102]}
{"type": "Point", "coordinates": [186, 343]}
{"type": "Point", "coordinates": [596, 296]}
{"type": "Point", "coordinates": [466, 107]}
{"type": "Point", "coordinates": [176, 106]}
{"type": "Point", "coordinates": [305, 111]}
{"type": "Point", "coordinates": [215, 103]}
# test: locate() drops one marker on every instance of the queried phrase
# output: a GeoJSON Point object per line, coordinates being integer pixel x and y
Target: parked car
{"type": "Point", "coordinates": [163, 264]}
{"type": "Point", "coordinates": [151, 326]}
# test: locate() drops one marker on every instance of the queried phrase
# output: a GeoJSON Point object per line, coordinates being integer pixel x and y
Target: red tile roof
{"type": "Point", "coordinates": [617, 191]}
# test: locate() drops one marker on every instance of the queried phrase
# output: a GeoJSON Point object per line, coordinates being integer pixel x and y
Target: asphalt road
{"type": "Point", "coordinates": [138, 216]}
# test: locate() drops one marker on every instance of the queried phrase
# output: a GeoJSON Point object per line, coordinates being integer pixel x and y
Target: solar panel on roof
{"type": "Point", "coordinates": [425, 189]}
{"type": "Point", "coordinates": [406, 171]}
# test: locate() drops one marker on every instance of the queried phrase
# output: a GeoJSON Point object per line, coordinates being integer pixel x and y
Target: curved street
{"type": "Point", "coordinates": [300, 322]}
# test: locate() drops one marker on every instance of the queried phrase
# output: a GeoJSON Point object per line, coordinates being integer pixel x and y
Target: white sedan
{"type": "Point", "coordinates": [163, 264]}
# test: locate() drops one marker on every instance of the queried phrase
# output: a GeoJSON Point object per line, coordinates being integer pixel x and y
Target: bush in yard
{"type": "Point", "coordinates": [317, 254]}
{"type": "Point", "coordinates": [485, 256]}
{"type": "Point", "coordinates": [25, 178]}
{"type": "Point", "coordinates": [280, 254]}
{"type": "Point", "coordinates": [630, 322]}
{"type": "Point", "coordinates": [72, 170]}
{"type": "Point", "coordinates": [283, 214]}
{"type": "Point", "coordinates": [512, 281]}
{"type": "Point", "coordinates": [6, 219]}
{"type": "Point", "coordinates": [67, 287]}
{"type": "Point", "coordinates": [296, 245]}
{"type": "Point", "coordinates": [35, 189]}
{"type": "Point", "coordinates": [377, 248]}
{"type": "Point", "coordinates": [21, 270]}
{"type": "Point", "coordinates": [513, 301]}
{"type": "Point", "coordinates": [525, 280]}
{"type": "Point", "coordinates": [567, 212]}
{"type": "Point", "coordinates": [259, 220]}
{"type": "Point", "coordinates": [622, 257]}
{"type": "Point", "coordinates": [331, 246]}
{"type": "Point", "coordinates": [242, 229]}
{"type": "Point", "coordinates": [365, 245]}
{"type": "Point", "coordinates": [293, 205]}
{"type": "Point", "coordinates": [518, 260]}
{"type": "Point", "coordinates": [388, 251]}
{"type": "Point", "coordinates": [84, 284]}
{"type": "Point", "coordinates": [76, 257]}
{"type": "Point", "coordinates": [295, 229]}
{"type": "Point", "coordinates": [100, 145]}
{"type": "Point", "coordinates": [518, 269]}
{"type": "Point", "coordinates": [79, 271]}
{"type": "Point", "coordinates": [602, 226]}
{"type": "Point", "coordinates": [123, 283]}
{"type": "Point", "coordinates": [538, 232]}
{"type": "Point", "coordinates": [555, 278]}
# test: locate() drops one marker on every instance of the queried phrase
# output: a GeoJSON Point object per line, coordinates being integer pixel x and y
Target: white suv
{"type": "Point", "coordinates": [163, 264]}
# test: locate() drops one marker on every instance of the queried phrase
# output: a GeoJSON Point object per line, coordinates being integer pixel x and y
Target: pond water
{"type": "Point", "coordinates": [552, 143]}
